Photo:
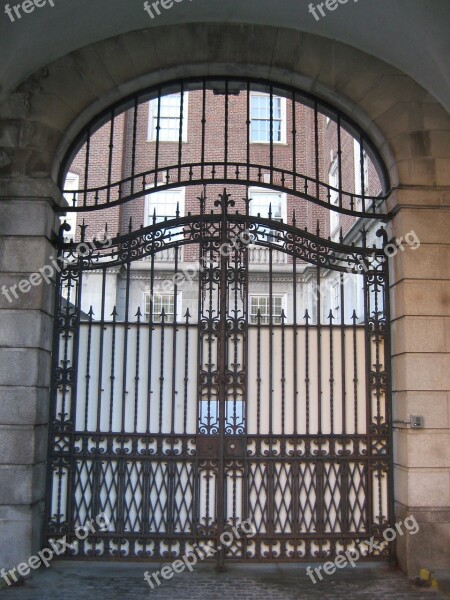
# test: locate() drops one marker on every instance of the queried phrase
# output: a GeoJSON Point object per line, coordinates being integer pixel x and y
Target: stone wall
{"type": "Point", "coordinates": [41, 118]}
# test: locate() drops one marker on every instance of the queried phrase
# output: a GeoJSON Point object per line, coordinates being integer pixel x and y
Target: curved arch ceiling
{"type": "Point", "coordinates": [411, 35]}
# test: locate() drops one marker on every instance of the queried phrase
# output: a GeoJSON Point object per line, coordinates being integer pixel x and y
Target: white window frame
{"type": "Point", "coordinates": [283, 119]}
{"type": "Point", "coordinates": [179, 304]}
{"type": "Point", "coordinates": [268, 192]}
{"type": "Point", "coordinates": [253, 319]}
{"type": "Point", "coordinates": [333, 180]}
{"type": "Point", "coordinates": [72, 182]}
{"type": "Point", "coordinates": [153, 113]}
{"type": "Point", "coordinates": [148, 216]}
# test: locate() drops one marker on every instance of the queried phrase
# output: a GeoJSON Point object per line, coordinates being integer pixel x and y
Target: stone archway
{"type": "Point", "coordinates": [410, 128]}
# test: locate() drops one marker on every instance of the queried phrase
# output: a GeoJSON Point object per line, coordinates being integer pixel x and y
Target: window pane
{"type": "Point", "coordinates": [262, 304]}
{"type": "Point", "coordinates": [260, 118]}
{"type": "Point", "coordinates": [164, 205]}
{"type": "Point", "coordinates": [169, 117]}
{"type": "Point", "coordinates": [160, 302]}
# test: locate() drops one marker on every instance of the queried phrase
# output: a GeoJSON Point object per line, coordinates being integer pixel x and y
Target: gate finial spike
{"type": "Point", "coordinates": [318, 228]}
{"type": "Point", "coordinates": [83, 228]}
{"type": "Point", "coordinates": [294, 219]}
{"type": "Point", "coordinates": [138, 314]}
{"type": "Point", "coordinates": [187, 316]}
{"type": "Point", "coordinates": [330, 316]}
{"type": "Point", "coordinates": [306, 317]}
{"type": "Point", "coordinates": [130, 225]}
{"type": "Point", "coordinates": [114, 313]}
{"type": "Point", "coordinates": [91, 313]}
{"type": "Point", "coordinates": [341, 237]}
{"type": "Point", "coordinates": [354, 317]}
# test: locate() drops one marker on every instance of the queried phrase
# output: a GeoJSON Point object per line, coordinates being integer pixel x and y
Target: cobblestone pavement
{"type": "Point", "coordinates": [114, 581]}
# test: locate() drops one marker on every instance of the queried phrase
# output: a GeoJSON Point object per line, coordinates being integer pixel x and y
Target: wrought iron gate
{"type": "Point", "coordinates": [181, 419]}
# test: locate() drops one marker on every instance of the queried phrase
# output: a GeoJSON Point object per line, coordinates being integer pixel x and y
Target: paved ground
{"type": "Point", "coordinates": [113, 581]}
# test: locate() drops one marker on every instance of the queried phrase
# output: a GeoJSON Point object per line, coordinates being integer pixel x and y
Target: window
{"type": "Point", "coordinates": [164, 205]}
{"type": "Point", "coordinates": [169, 118]}
{"type": "Point", "coordinates": [160, 302]}
{"type": "Point", "coordinates": [366, 172]}
{"type": "Point", "coordinates": [71, 184]}
{"type": "Point", "coordinates": [262, 304]}
{"type": "Point", "coordinates": [335, 298]}
{"type": "Point", "coordinates": [264, 203]}
{"type": "Point", "coordinates": [333, 180]}
{"type": "Point", "coordinates": [260, 118]}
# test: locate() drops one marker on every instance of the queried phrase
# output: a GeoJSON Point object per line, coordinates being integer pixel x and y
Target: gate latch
{"type": "Point", "coordinates": [415, 421]}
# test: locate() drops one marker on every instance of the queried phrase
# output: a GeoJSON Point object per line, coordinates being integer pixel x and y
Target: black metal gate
{"type": "Point", "coordinates": [254, 387]}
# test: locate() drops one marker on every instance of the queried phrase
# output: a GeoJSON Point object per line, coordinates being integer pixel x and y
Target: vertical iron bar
{"type": "Point", "coordinates": [270, 346]}
{"type": "Point", "coordinates": [88, 370]}
{"type": "Point", "coordinates": [248, 133]}
{"type": "Point", "coordinates": [49, 512]}
{"type": "Point", "coordinates": [125, 348]}
{"type": "Point", "coordinates": [110, 157]}
{"type": "Point", "coordinates": [319, 349]}
{"type": "Point", "coordinates": [74, 388]}
{"type": "Point", "coordinates": [294, 143]}
{"type": "Point", "coordinates": [307, 379]}
{"type": "Point", "coordinates": [133, 149]}
{"type": "Point", "coordinates": [202, 168]}
{"type": "Point", "coordinates": [370, 520]}
{"type": "Point", "coordinates": [271, 134]}
{"type": "Point", "coordinates": [86, 167]}
{"type": "Point", "coordinates": [339, 154]}
{"type": "Point", "coordinates": [161, 369]}
{"type": "Point", "coordinates": [150, 334]}
{"type": "Point", "coordinates": [226, 130]}
{"type": "Point", "coordinates": [355, 373]}
{"type": "Point", "coordinates": [283, 370]}
{"type": "Point", "coordinates": [136, 375]}
{"type": "Point", "coordinates": [331, 373]}
{"type": "Point", "coordinates": [258, 373]}
{"type": "Point", "coordinates": [100, 354]}
{"type": "Point", "coordinates": [245, 473]}
{"type": "Point", "coordinates": [158, 128]}
{"type": "Point", "coordinates": [387, 362]}
{"type": "Point", "coordinates": [113, 368]}
{"type": "Point", "coordinates": [180, 132]}
{"type": "Point", "coordinates": [343, 355]}
{"type": "Point", "coordinates": [316, 148]}
{"type": "Point", "coordinates": [174, 344]}
{"type": "Point", "coordinates": [186, 370]}
{"type": "Point", "coordinates": [295, 342]}
{"type": "Point", "coordinates": [222, 368]}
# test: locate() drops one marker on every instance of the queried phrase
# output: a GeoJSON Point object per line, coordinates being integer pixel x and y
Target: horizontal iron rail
{"type": "Point", "coordinates": [308, 183]}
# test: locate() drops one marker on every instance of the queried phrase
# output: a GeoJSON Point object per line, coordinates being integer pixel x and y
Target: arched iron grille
{"type": "Point", "coordinates": [223, 362]}
{"type": "Point", "coordinates": [225, 123]}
